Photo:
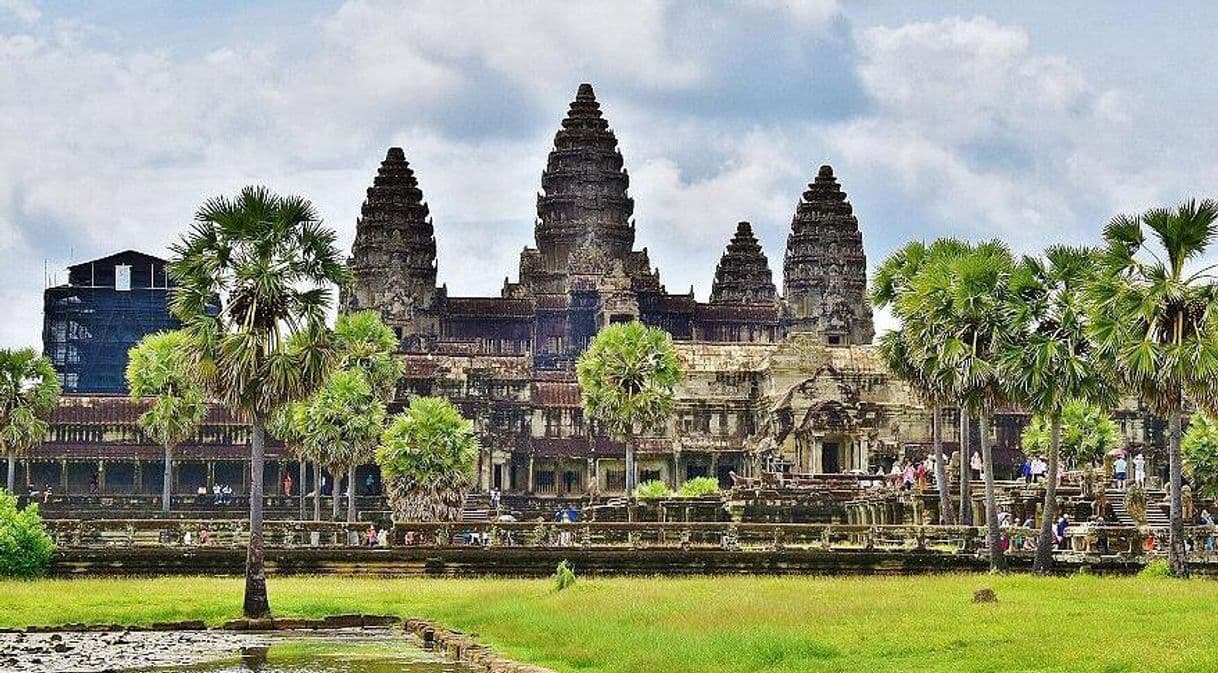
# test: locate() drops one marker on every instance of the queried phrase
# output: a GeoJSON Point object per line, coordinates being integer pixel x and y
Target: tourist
{"type": "Point", "coordinates": [370, 536]}
{"type": "Point", "coordinates": [1059, 531]}
{"type": "Point", "coordinates": [1119, 470]}
{"type": "Point", "coordinates": [187, 539]}
{"type": "Point", "coordinates": [46, 493]}
{"type": "Point", "coordinates": [1025, 471]}
{"type": "Point", "coordinates": [907, 476]}
{"type": "Point", "coordinates": [1139, 470]}
{"type": "Point", "coordinates": [1039, 468]}
{"type": "Point", "coordinates": [369, 485]}
{"type": "Point", "coordinates": [31, 492]}
{"type": "Point", "coordinates": [216, 494]}
{"type": "Point", "coordinates": [94, 484]}
{"type": "Point", "coordinates": [920, 476]}
{"type": "Point", "coordinates": [382, 537]}
{"type": "Point", "coordinates": [227, 494]}
{"type": "Point", "coordinates": [202, 490]}
{"type": "Point", "coordinates": [976, 464]}
{"type": "Point", "coordinates": [204, 535]}
{"type": "Point", "coordinates": [287, 483]}
{"type": "Point", "coordinates": [1207, 520]}
{"type": "Point", "coordinates": [495, 499]}
{"type": "Point", "coordinates": [572, 514]}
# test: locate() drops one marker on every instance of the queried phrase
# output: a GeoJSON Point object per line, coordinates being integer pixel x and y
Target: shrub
{"type": "Point", "coordinates": [564, 576]}
{"type": "Point", "coordinates": [652, 490]}
{"type": "Point", "coordinates": [1155, 569]}
{"type": "Point", "coordinates": [25, 547]}
{"type": "Point", "coordinates": [699, 487]}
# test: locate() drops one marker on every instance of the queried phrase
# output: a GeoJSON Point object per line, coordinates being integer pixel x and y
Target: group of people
{"type": "Point", "coordinates": [222, 494]}
{"type": "Point", "coordinates": [33, 493]}
{"type": "Point", "coordinates": [204, 537]}
{"type": "Point", "coordinates": [376, 537]}
{"type": "Point", "coordinates": [1120, 470]}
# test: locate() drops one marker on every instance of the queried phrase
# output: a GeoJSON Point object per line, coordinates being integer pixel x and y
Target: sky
{"type": "Point", "coordinates": [1031, 122]}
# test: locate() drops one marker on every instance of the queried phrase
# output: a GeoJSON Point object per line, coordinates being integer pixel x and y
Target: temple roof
{"type": "Point", "coordinates": [743, 273]}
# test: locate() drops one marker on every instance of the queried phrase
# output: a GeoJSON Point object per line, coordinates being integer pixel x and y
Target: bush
{"type": "Point", "coordinates": [564, 576]}
{"type": "Point", "coordinates": [652, 490]}
{"type": "Point", "coordinates": [25, 547]}
{"type": "Point", "coordinates": [1155, 569]}
{"type": "Point", "coordinates": [699, 487]}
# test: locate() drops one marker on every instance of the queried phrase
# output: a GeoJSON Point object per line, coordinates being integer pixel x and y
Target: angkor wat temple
{"type": "Point", "coordinates": [775, 381]}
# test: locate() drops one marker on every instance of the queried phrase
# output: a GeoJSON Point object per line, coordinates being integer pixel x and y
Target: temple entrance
{"type": "Point", "coordinates": [829, 452]}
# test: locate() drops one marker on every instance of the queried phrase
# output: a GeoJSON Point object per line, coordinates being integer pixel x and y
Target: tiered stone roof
{"type": "Point", "coordinates": [584, 212]}
{"type": "Point", "coordinates": [394, 256]}
{"type": "Point", "coordinates": [825, 268]}
{"type": "Point", "coordinates": [743, 274]}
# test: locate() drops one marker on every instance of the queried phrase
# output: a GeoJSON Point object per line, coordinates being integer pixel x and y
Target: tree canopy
{"type": "Point", "coordinates": [429, 454]}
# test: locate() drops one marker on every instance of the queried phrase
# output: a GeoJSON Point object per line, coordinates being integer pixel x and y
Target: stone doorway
{"type": "Point", "coordinates": [829, 456]}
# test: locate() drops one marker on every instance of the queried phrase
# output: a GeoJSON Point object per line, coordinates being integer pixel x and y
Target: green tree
{"type": "Point", "coordinates": [428, 456]}
{"type": "Point", "coordinates": [25, 546]}
{"type": "Point", "coordinates": [627, 380]}
{"type": "Point", "coordinates": [1047, 360]}
{"type": "Point", "coordinates": [1155, 320]}
{"type": "Point", "coordinates": [1199, 448]}
{"type": "Point", "coordinates": [921, 368]}
{"type": "Point", "coordinates": [158, 368]}
{"type": "Point", "coordinates": [1088, 433]}
{"type": "Point", "coordinates": [271, 265]}
{"type": "Point", "coordinates": [287, 424]}
{"type": "Point", "coordinates": [963, 297]}
{"type": "Point", "coordinates": [342, 424]}
{"type": "Point", "coordinates": [29, 391]}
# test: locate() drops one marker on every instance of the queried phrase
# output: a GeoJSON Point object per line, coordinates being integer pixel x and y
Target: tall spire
{"type": "Point", "coordinates": [393, 260]}
{"type": "Point", "coordinates": [743, 274]}
{"type": "Point", "coordinates": [825, 269]}
{"type": "Point", "coordinates": [584, 205]}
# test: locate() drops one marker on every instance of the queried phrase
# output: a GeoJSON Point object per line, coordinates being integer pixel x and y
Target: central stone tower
{"type": "Point", "coordinates": [825, 270]}
{"type": "Point", "coordinates": [584, 212]}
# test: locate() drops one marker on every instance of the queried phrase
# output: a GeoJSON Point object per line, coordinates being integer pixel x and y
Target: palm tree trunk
{"type": "Point", "coordinates": [1044, 549]}
{"type": "Point", "coordinates": [12, 472]}
{"type": "Point", "coordinates": [945, 492]}
{"type": "Point", "coordinates": [1176, 551]}
{"type": "Point", "coordinates": [966, 510]}
{"type": "Point", "coordinates": [316, 492]}
{"type": "Point", "coordinates": [997, 558]}
{"type": "Point", "coordinates": [352, 535]}
{"type": "Point", "coordinates": [336, 482]}
{"type": "Point", "coordinates": [301, 488]}
{"type": "Point", "coordinates": [257, 605]}
{"type": "Point", "coordinates": [631, 469]}
{"type": "Point", "coordinates": [167, 480]}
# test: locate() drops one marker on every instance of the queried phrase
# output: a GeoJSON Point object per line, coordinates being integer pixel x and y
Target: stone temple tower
{"type": "Point", "coordinates": [393, 260]}
{"type": "Point", "coordinates": [825, 269]}
{"type": "Point", "coordinates": [584, 211]}
{"type": "Point", "coordinates": [743, 274]}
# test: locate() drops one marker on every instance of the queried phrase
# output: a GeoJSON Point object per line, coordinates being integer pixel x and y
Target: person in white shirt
{"type": "Point", "coordinates": [1139, 470]}
{"type": "Point", "coordinates": [976, 463]}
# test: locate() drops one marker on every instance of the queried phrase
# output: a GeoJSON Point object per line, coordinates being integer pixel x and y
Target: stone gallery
{"type": "Point", "coordinates": [785, 382]}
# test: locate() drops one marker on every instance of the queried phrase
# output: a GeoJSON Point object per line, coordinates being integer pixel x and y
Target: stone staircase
{"type": "Point", "coordinates": [1156, 516]}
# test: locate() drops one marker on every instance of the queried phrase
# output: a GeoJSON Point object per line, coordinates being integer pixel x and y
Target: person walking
{"type": "Point", "coordinates": [1059, 531]}
{"type": "Point", "coordinates": [1139, 470]}
{"type": "Point", "coordinates": [1120, 469]}
{"type": "Point", "coordinates": [976, 464]}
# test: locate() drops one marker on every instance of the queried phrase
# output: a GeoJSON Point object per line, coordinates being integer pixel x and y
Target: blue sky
{"type": "Point", "coordinates": [1028, 121]}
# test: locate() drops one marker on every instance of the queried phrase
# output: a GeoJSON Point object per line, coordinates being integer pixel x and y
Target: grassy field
{"type": "Point", "coordinates": [722, 624]}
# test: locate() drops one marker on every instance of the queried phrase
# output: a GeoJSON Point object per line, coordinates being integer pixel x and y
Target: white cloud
{"type": "Point", "coordinates": [24, 10]}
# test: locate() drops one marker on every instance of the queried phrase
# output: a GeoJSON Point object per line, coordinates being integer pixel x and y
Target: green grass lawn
{"type": "Point", "coordinates": [721, 624]}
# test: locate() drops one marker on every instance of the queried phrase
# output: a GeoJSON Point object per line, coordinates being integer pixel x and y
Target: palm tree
{"type": "Point", "coordinates": [158, 368]}
{"type": "Point", "coordinates": [272, 265]}
{"type": "Point", "coordinates": [919, 367]}
{"type": "Point", "coordinates": [627, 380]}
{"type": "Point", "coordinates": [1155, 320]}
{"type": "Point", "coordinates": [368, 346]}
{"type": "Point", "coordinates": [342, 424]}
{"type": "Point", "coordinates": [962, 297]}
{"type": "Point", "coordinates": [1048, 360]}
{"type": "Point", "coordinates": [428, 456]}
{"type": "Point", "coordinates": [29, 390]}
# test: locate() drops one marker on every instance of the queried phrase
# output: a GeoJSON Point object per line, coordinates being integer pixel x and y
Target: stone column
{"type": "Point", "coordinates": [816, 464]}
{"type": "Point", "coordinates": [63, 476]}
{"type": "Point", "coordinates": [101, 476]}
{"type": "Point", "coordinates": [714, 465]}
{"type": "Point", "coordinates": [590, 477]}
{"type": "Point", "coordinates": [529, 488]}
{"type": "Point", "coordinates": [138, 479]}
{"type": "Point", "coordinates": [211, 474]}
